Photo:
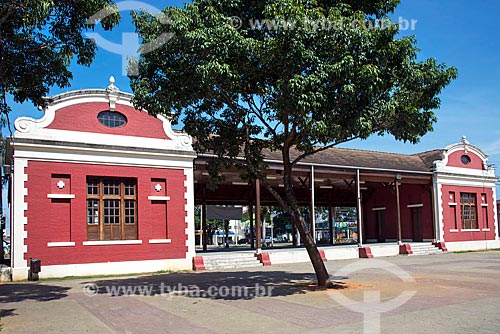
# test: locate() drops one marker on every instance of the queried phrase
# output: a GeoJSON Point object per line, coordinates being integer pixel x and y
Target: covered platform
{"type": "Point", "coordinates": [392, 195]}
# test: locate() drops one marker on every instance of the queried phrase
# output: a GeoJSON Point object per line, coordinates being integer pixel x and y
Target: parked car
{"type": "Point", "coordinates": [243, 241]}
{"type": "Point", "coordinates": [268, 242]}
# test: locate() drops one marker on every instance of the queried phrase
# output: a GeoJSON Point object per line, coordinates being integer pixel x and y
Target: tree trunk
{"type": "Point", "coordinates": [290, 204]}
{"type": "Point", "coordinates": [312, 250]}
{"type": "Point", "coordinates": [226, 228]}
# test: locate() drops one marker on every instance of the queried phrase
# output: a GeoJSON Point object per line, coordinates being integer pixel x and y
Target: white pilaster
{"type": "Point", "coordinates": [495, 212]}
{"type": "Point", "coordinates": [19, 220]}
{"type": "Point", "coordinates": [189, 208]}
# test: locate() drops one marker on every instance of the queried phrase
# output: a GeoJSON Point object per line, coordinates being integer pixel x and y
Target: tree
{"type": "Point", "coordinates": [38, 39]}
{"type": "Point", "coordinates": [313, 75]}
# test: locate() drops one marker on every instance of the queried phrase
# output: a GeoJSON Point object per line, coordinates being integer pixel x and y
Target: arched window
{"type": "Point", "coordinates": [112, 119]}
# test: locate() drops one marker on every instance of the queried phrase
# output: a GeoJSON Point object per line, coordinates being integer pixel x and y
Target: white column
{"type": "Point", "coordinates": [189, 207]}
{"type": "Point", "coordinates": [19, 220]}
{"type": "Point", "coordinates": [313, 205]}
{"type": "Point", "coordinates": [358, 209]}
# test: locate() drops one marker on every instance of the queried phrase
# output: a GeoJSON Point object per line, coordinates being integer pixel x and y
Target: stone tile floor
{"type": "Point", "coordinates": [448, 293]}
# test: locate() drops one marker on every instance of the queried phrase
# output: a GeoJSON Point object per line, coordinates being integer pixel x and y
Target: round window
{"type": "Point", "coordinates": [466, 159]}
{"type": "Point", "coordinates": [112, 119]}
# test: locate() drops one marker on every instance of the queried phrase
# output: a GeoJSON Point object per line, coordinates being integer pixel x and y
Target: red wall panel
{"type": "Point", "coordinates": [83, 117]}
{"type": "Point", "coordinates": [485, 215]}
{"type": "Point", "coordinates": [51, 220]}
{"type": "Point", "coordinates": [385, 196]}
{"type": "Point", "coordinates": [455, 160]}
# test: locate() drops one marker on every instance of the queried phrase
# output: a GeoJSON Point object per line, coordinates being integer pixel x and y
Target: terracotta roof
{"type": "Point", "coordinates": [351, 158]}
{"type": "Point", "coordinates": [430, 156]}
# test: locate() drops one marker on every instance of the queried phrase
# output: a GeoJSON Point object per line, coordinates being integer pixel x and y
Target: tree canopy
{"type": "Point", "coordinates": [38, 40]}
{"type": "Point", "coordinates": [294, 76]}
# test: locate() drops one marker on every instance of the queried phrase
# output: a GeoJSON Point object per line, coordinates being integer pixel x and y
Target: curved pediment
{"type": "Point", "coordinates": [101, 116]}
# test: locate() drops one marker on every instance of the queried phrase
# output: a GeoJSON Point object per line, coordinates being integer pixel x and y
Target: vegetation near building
{"type": "Point", "coordinates": [38, 40]}
{"type": "Point", "coordinates": [295, 89]}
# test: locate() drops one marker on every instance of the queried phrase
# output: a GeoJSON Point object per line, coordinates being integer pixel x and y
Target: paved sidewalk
{"type": "Point", "coordinates": [449, 293]}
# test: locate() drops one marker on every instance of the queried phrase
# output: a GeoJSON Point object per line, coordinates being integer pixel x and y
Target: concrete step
{"type": "Point", "coordinates": [232, 266]}
{"type": "Point", "coordinates": [229, 261]}
{"type": "Point", "coordinates": [425, 249]}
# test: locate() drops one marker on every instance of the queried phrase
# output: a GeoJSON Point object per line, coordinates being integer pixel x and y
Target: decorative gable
{"type": "Point", "coordinates": [464, 158]}
{"type": "Point", "coordinates": [101, 117]}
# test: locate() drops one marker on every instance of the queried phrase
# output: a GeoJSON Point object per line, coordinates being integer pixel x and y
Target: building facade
{"type": "Point", "coordinates": [465, 199]}
{"type": "Point", "coordinates": [98, 187]}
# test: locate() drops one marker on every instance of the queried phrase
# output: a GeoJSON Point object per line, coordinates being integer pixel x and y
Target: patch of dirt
{"type": "Point", "coordinates": [332, 286]}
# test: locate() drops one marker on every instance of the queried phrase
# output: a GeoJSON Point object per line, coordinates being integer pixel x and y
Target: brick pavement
{"type": "Point", "coordinates": [455, 293]}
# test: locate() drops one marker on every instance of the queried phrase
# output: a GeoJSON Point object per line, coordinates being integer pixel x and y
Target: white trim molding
{"type": "Point", "coordinates": [439, 212]}
{"type": "Point", "coordinates": [495, 213]}
{"type": "Point", "coordinates": [159, 198]}
{"type": "Point", "coordinates": [379, 209]}
{"type": "Point", "coordinates": [19, 219]}
{"type": "Point", "coordinates": [189, 211]}
{"type": "Point", "coordinates": [61, 196]}
{"type": "Point", "coordinates": [472, 245]}
{"type": "Point", "coordinates": [420, 205]}
{"type": "Point", "coordinates": [159, 241]}
{"type": "Point", "coordinates": [112, 242]}
{"type": "Point", "coordinates": [61, 244]}
{"type": "Point", "coordinates": [107, 268]}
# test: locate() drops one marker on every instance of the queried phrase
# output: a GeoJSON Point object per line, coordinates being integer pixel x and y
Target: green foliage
{"type": "Point", "coordinates": [38, 39]}
{"type": "Point", "coordinates": [310, 77]}
{"type": "Point", "coordinates": [282, 88]}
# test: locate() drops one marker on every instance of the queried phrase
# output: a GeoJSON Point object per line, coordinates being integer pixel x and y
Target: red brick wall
{"type": "Point", "coordinates": [386, 197]}
{"type": "Point", "coordinates": [484, 214]}
{"type": "Point", "coordinates": [83, 117]}
{"type": "Point", "coordinates": [60, 220]}
{"type": "Point", "coordinates": [455, 160]}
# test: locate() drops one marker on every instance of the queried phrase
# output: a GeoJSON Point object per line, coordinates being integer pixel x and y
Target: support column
{"type": "Point", "coordinates": [257, 217]}
{"type": "Point", "coordinates": [330, 222]}
{"type": "Point", "coordinates": [398, 181]}
{"type": "Point", "coordinates": [294, 233]}
{"type": "Point", "coordinates": [359, 210]}
{"type": "Point", "coordinates": [312, 211]}
{"type": "Point", "coordinates": [434, 207]}
{"type": "Point", "coordinates": [204, 224]}
{"type": "Point", "coordinates": [226, 229]}
{"type": "Point", "coordinates": [252, 235]}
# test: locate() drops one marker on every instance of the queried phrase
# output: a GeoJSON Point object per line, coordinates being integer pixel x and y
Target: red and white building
{"type": "Point", "coordinates": [98, 187]}
{"type": "Point", "coordinates": [465, 198]}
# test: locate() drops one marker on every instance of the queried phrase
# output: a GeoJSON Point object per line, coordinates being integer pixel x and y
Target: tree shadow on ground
{"type": "Point", "coordinates": [7, 312]}
{"type": "Point", "coordinates": [213, 285]}
{"type": "Point", "coordinates": [11, 293]}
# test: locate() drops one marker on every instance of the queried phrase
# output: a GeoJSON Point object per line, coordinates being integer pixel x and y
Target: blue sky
{"type": "Point", "coordinates": [455, 32]}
